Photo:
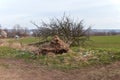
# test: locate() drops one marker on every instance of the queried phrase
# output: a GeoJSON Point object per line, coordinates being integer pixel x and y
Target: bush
{"type": "Point", "coordinates": [72, 32]}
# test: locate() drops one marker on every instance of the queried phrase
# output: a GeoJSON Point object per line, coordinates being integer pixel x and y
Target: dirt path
{"type": "Point", "coordinates": [12, 69]}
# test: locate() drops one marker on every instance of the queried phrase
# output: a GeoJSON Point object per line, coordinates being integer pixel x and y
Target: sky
{"type": "Point", "coordinates": [99, 14]}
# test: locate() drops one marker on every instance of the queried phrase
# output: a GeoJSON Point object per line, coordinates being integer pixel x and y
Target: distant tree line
{"type": "Point", "coordinates": [104, 33]}
{"type": "Point", "coordinates": [16, 30]}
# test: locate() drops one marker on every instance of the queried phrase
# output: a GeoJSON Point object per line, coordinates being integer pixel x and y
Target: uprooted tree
{"type": "Point", "coordinates": [72, 32]}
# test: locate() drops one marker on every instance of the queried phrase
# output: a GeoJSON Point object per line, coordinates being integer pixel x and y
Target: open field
{"type": "Point", "coordinates": [105, 41]}
{"type": "Point", "coordinates": [26, 40]}
{"type": "Point", "coordinates": [100, 62]}
{"type": "Point", "coordinates": [95, 41]}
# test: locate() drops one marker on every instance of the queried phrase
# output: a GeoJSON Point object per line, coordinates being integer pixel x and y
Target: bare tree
{"type": "Point", "coordinates": [72, 32]}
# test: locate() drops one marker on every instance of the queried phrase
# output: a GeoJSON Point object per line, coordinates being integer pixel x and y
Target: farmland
{"type": "Point", "coordinates": [105, 41]}
{"type": "Point", "coordinates": [91, 62]}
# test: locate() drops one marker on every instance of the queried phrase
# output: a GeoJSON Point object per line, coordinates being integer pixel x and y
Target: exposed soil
{"type": "Point", "coordinates": [13, 69]}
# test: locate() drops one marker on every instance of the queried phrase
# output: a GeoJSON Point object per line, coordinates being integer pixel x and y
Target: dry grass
{"type": "Point", "coordinates": [17, 45]}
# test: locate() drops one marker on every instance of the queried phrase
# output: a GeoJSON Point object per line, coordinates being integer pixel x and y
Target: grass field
{"type": "Point", "coordinates": [95, 41]}
{"type": "Point", "coordinates": [27, 40]}
{"type": "Point", "coordinates": [105, 41]}
{"type": "Point", "coordinates": [103, 50]}
{"type": "Point", "coordinates": [100, 61]}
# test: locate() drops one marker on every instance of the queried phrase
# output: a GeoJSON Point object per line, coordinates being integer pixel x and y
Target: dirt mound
{"type": "Point", "coordinates": [56, 46]}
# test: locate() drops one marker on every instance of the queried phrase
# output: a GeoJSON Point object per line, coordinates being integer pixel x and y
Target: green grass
{"type": "Point", "coordinates": [105, 41]}
{"type": "Point", "coordinates": [103, 50]}
{"type": "Point", "coordinates": [82, 58]}
{"type": "Point", "coordinates": [96, 41]}
{"type": "Point", "coordinates": [7, 52]}
{"type": "Point", "coordinates": [27, 40]}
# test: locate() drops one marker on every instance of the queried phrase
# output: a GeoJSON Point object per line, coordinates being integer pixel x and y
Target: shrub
{"type": "Point", "coordinates": [72, 32]}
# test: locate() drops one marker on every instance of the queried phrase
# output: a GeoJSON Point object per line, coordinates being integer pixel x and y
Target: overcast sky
{"type": "Point", "coordinates": [100, 14]}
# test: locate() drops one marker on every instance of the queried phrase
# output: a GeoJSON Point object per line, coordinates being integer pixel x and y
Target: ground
{"type": "Point", "coordinates": [17, 69]}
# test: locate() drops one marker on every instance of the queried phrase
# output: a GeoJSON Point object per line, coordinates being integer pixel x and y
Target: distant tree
{"type": "Point", "coordinates": [113, 32]}
{"type": "Point", "coordinates": [18, 30]}
{"type": "Point", "coordinates": [35, 33]}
